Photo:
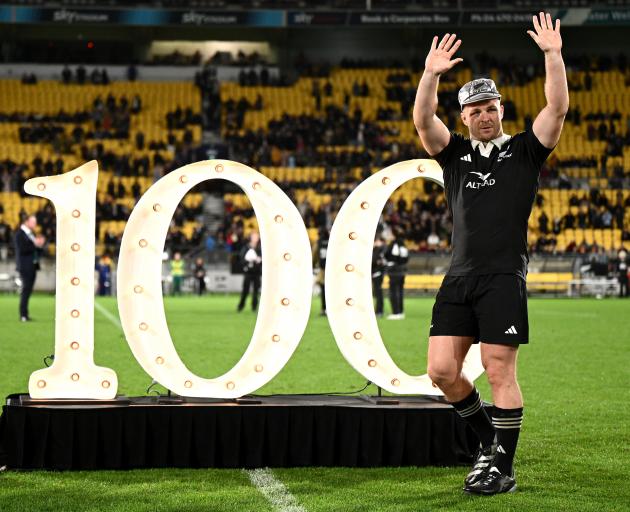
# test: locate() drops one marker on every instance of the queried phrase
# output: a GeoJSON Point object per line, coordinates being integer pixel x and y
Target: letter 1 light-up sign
{"type": "Point", "coordinates": [285, 294]}
{"type": "Point", "coordinates": [73, 373]}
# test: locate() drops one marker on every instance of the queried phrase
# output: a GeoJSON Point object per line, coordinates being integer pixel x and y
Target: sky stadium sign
{"type": "Point", "coordinates": [67, 16]}
{"type": "Point", "coordinates": [146, 16]}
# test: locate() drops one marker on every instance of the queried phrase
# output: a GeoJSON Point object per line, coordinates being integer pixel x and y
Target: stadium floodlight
{"type": "Point", "coordinates": [73, 373]}
{"type": "Point", "coordinates": [350, 307]}
{"type": "Point", "coordinates": [286, 290]}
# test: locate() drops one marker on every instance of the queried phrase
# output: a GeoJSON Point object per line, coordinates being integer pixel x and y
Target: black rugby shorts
{"type": "Point", "coordinates": [492, 308]}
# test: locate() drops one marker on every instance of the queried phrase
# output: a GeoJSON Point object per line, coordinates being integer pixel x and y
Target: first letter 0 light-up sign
{"type": "Point", "coordinates": [285, 302]}
{"type": "Point", "coordinates": [73, 373]}
{"type": "Point", "coordinates": [349, 284]}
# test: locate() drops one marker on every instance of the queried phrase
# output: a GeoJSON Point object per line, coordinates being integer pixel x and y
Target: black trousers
{"type": "Point", "coordinates": [322, 296]}
{"type": "Point", "coordinates": [623, 287]}
{"type": "Point", "coordinates": [28, 281]}
{"type": "Point", "coordinates": [249, 281]}
{"type": "Point", "coordinates": [396, 288]}
{"type": "Point", "coordinates": [377, 291]}
{"type": "Point", "coordinates": [201, 286]}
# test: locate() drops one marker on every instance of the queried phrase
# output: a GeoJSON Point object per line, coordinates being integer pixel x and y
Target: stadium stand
{"type": "Point", "coordinates": [135, 130]}
{"type": "Point", "coordinates": [316, 136]}
{"type": "Point", "coordinates": [577, 161]}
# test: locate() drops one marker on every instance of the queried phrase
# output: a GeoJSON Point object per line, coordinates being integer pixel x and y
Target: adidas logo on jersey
{"type": "Point", "coordinates": [466, 158]}
{"type": "Point", "coordinates": [511, 330]}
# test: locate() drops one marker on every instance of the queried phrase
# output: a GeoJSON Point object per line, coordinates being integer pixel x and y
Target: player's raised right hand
{"type": "Point", "coordinates": [438, 60]}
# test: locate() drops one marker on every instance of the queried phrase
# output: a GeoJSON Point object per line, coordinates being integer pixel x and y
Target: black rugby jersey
{"type": "Point", "coordinates": [490, 199]}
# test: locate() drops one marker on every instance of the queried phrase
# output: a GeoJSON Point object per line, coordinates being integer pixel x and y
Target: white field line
{"type": "Point", "coordinates": [581, 314]}
{"type": "Point", "coordinates": [274, 490]}
{"type": "Point", "coordinates": [107, 314]}
{"type": "Point", "coordinates": [263, 479]}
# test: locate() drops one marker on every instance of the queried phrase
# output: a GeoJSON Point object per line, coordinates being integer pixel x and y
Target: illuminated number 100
{"type": "Point", "coordinates": [285, 301]}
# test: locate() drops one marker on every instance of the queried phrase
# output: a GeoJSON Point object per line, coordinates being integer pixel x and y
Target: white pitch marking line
{"type": "Point", "coordinates": [107, 314]}
{"type": "Point", "coordinates": [263, 479]}
{"type": "Point", "coordinates": [274, 490]}
{"type": "Point", "coordinates": [588, 314]}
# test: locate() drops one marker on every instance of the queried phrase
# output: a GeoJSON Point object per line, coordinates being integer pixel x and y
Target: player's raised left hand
{"type": "Point", "coordinates": [546, 36]}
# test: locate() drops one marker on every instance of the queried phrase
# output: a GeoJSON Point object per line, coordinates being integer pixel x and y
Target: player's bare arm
{"type": "Point", "coordinates": [548, 124]}
{"type": "Point", "coordinates": [434, 135]}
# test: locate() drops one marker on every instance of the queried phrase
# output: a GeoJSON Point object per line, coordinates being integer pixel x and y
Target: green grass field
{"type": "Point", "coordinates": [574, 452]}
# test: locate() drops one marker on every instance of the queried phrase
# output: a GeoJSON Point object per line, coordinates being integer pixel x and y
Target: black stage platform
{"type": "Point", "coordinates": [274, 431]}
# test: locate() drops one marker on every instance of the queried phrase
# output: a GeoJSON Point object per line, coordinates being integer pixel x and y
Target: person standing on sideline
{"type": "Point", "coordinates": [251, 262]}
{"type": "Point", "coordinates": [378, 274]}
{"type": "Point", "coordinates": [104, 271]}
{"type": "Point", "coordinates": [396, 257]}
{"type": "Point", "coordinates": [319, 262]}
{"type": "Point", "coordinates": [490, 183]}
{"type": "Point", "coordinates": [27, 253]}
{"type": "Point", "coordinates": [199, 272]}
{"type": "Point", "coordinates": [622, 273]}
{"type": "Point", "coordinates": [177, 273]}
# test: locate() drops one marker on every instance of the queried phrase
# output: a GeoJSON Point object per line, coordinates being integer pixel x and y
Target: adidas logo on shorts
{"type": "Point", "coordinates": [511, 330]}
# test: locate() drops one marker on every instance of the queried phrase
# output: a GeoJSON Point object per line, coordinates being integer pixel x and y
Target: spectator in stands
{"type": "Point", "coordinates": [81, 75]}
{"type": "Point", "coordinates": [251, 262]}
{"type": "Point", "coordinates": [28, 248]}
{"type": "Point", "coordinates": [132, 73]}
{"type": "Point", "coordinates": [396, 257]}
{"type": "Point", "coordinates": [543, 223]}
{"type": "Point", "coordinates": [136, 104]}
{"type": "Point", "coordinates": [29, 79]}
{"type": "Point", "coordinates": [66, 75]}
{"type": "Point", "coordinates": [111, 241]}
{"type": "Point", "coordinates": [588, 82]}
{"type": "Point", "coordinates": [5, 237]}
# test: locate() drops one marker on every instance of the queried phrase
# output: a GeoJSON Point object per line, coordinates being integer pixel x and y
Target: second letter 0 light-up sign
{"type": "Point", "coordinates": [285, 301]}
{"type": "Point", "coordinates": [349, 282]}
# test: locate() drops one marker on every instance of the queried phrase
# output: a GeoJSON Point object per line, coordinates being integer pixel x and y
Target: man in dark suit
{"type": "Point", "coordinates": [396, 257]}
{"type": "Point", "coordinates": [251, 261]}
{"type": "Point", "coordinates": [27, 251]}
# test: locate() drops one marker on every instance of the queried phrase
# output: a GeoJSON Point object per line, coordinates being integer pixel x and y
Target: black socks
{"type": "Point", "coordinates": [471, 409]}
{"type": "Point", "coordinates": [507, 423]}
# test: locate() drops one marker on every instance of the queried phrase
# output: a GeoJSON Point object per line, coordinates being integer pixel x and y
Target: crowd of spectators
{"type": "Point", "coordinates": [335, 138]}
{"type": "Point", "coordinates": [107, 118]}
{"type": "Point", "coordinates": [81, 76]}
